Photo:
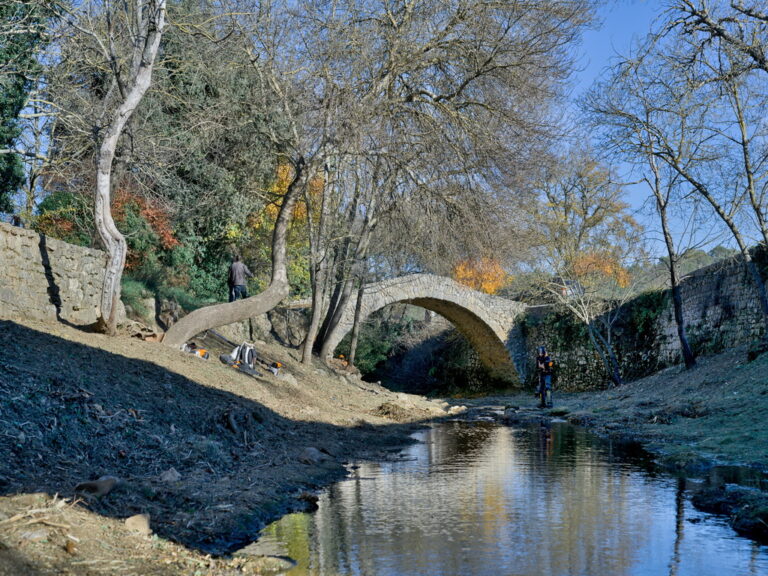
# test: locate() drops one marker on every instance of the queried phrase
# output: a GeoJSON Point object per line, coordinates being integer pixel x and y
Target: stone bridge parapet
{"type": "Point", "coordinates": [486, 321]}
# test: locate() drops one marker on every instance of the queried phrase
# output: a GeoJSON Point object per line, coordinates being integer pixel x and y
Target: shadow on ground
{"type": "Point", "coordinates": [71, 413]}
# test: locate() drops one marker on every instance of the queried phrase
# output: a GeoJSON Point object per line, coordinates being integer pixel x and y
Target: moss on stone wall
{"type": "Point", "coordinates": [720, 310]}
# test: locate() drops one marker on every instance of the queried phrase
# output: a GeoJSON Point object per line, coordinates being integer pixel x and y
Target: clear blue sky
{"type": "Point", "coordinates": [622, 22]}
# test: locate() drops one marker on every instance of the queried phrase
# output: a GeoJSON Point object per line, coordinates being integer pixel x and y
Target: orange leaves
{"type": "Point", "coordinates": [593, 267]}
{"type": "Point", "coordinates": [485, 275]}
{"type": "Point", "coordinates": [55, 224]}
{"type": "Point", "coordinates": [147, 227]}
{"type": "Point", "coordinates": [279, 188]}
{"type": "Point", "coordinates": [156, 217]}
{"type": "Point", "coordinates": [283, 178]}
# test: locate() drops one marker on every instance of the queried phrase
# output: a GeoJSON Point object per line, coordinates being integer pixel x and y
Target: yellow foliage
{"type": "Point", "coordinates": [593, 266]}
{"type": "Point", "coordinates": [279, 188]}
{"type": "Point", "coordinates": [485, 275]}
{"type": "Point", "coordinates": [233, 232]}
{"type": "Point", "coordinates": [284, 174]}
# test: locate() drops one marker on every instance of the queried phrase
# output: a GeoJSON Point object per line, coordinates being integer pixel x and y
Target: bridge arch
{"type": "Point", "coordinates": [485, 321]}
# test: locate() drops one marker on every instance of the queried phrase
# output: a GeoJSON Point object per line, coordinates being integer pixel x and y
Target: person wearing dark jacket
{"type": "Point", "coordinates": [238, 275]}
{"type": "Point", "coordinates": [544, 366]}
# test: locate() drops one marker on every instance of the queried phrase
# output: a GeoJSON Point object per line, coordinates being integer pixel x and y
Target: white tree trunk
{"type": "Point", "coordinates": [145, 51]}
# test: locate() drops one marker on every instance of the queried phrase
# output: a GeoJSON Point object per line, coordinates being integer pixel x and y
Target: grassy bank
{"type": "Point", "coordinates": [694, 422]}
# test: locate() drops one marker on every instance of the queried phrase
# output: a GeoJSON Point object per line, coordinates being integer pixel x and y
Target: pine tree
{"type": "Point", "coordinates": [20, 37]}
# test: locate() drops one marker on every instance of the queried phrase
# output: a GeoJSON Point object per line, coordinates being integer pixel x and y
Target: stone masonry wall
{"type": "Point", "coordinates": [720, 310]}
{"type": "Point", "coordinates": [44, 279]}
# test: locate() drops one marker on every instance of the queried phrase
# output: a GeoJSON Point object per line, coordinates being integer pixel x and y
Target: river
{"type": "Point", "coordinates": [479, 498]}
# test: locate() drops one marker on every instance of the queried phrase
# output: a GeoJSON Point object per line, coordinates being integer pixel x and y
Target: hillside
{"type": "Point", "coordinates": [209, 453]}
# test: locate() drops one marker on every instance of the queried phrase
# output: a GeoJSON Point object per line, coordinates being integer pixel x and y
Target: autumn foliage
{"type": "Point", "coordinates": [485, 275]}
{"type": "Point", "coordinates": [279, 188]}
{"type": "Point", "coordinates": [155, 217]}
{"type": "Point", "coordinates": [57, 224]}
{"type": "Point", "coordinates": [595, 267]}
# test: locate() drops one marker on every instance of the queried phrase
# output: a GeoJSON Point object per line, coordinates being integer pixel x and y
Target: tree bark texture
{"type": "Point", "coordinates": [356, 324]}
{"type": "Point", "coordinates": [346, 293]}
{"type": "Point", "coordinates": [662, 202]}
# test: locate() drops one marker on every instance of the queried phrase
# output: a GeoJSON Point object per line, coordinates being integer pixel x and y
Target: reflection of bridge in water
{"type": "Point", "coordinates": [487, 322]}
{"type": "Point", "coordinates": [485, 500]}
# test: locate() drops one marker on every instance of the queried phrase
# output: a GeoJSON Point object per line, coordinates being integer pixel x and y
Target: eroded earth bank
{"type": "Point", "coordinates": [196, 454]}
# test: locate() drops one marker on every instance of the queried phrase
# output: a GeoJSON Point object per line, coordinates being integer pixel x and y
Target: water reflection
{"type": "Point", "coordinates": [482, 499]}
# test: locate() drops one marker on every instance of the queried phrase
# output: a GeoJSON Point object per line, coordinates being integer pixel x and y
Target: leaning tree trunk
{"type": "Point", "coordinates": [356, 323]}
{"type": "Point", "coordinates": [336, 275]}
{"type": "Point", "coordinates": [685, 348]}
{"type": "Point", "coordinates": [360, 253]}
{"type": "Point", "coordinates": [318, 270]}
{"type": "Point", "coordinates": [278, 289]}
{"type": "Point", "coordinates": [677, 297]}
{"type": "Point", "coordinates": [113, 240]}
{"type": "Point", "coordinates": [333, 320]}
{"type": "Point", "coordinates": [346, 294]}
{"type": "Point", "coordinates": [318, 297]}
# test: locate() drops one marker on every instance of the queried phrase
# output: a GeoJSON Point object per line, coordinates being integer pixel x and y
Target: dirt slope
{"type": "Point", "coordinates": [210, 454]}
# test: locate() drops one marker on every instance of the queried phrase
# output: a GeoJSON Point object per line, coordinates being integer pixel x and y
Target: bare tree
{"type": "Point", "coordinates": [623, 108]}
{"type": "Point", "coordinates": [588, 243]}
{"type": "Point", "coordinates": [373, 93]}
{"type": "Point", "coordinates": [419, 102]}
{"type": "Point", "coordinates": [703, 120]}
{"type": "Point", "coordinates": [741, 25]}
{"type": "Point", "coordinates": [125, 39]}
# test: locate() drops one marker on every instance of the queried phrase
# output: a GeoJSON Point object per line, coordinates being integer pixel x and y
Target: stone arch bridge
{"type": "Point", "coordinates": [488, 322]}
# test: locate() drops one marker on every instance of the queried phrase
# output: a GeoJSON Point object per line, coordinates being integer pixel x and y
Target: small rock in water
{"type": "Point", "coordinates": [139, 523]}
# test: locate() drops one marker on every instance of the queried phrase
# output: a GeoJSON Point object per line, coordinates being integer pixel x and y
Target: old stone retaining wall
{"type": "Point", "coordinates": [44, 279]}
{"type": "Point", "coordinates": [721, 310]}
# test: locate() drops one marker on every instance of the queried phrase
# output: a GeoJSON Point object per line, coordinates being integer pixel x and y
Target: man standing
{"type": "Point", "coordinates": [238, 274]}
{"type": "Point", "coordinates": [544, 366]}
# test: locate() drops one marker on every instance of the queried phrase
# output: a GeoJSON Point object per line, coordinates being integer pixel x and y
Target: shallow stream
{"type": "Point", "coordinates": [484, 499]}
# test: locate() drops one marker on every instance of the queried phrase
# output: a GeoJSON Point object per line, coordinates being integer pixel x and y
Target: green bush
{"type": "Point", "coordinates": [133, 292]}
